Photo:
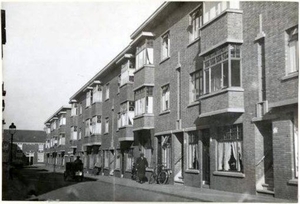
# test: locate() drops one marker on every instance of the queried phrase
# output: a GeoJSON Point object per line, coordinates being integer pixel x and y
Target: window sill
{"type": "Point", "coordinates": [290, 76]}
{"type": "Point", "coordinates": [229, 174]}
{"type": "Point", "coordinates": [293, 182]}
{"type": "Point", "coordinates": [164, 112]}
{"type": "Point", "coordinates": [192, 171]}
{"type": "Point", "coordinates": [195, 103]}
{"type": "Point", "coordinates": [87, 107]}
{"type": "Point", "coordinates": [126, 126]}
{"type": "Point", "coordinates": [126, 84]}
{"type": "Point", "coordinates": [144, 115]}
{"type": "Point", "coordinates": [145, 65]}
{"type": "Point", "coordinates": [193, 42]}
{"type": "Point", "coordinates": [106, 99]}
{"type": "Point", "coordinates": [165, 59]}
{"type": "Point", "coordinates": [106, 133]}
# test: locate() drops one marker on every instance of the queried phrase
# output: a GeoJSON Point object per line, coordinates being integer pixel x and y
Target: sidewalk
{"type": "Point", "coordinates": [197, 194]}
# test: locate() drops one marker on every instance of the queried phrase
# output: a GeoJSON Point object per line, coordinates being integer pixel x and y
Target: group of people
{"type": "Point", "coordinates": [141, 165]}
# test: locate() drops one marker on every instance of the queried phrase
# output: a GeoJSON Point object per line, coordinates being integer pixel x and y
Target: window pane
{"type": "Point", "coordinates": [207, 81]}
{"type": "Point", "coordinates": [216, 78]}
{"type": "Point", "coordinates": [235, 73]}
{"type": "Point", "coordinates": [225, 74]}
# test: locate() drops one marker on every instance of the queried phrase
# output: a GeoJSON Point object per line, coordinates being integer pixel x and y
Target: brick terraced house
{"type": "Point", "coordinates": [208, 89]}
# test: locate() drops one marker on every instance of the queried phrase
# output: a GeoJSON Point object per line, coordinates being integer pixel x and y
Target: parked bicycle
{"type": "Point", "coordinates": [160, 175]}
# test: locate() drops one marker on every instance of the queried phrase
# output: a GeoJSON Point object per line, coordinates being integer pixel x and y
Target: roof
{"type": "Point", "coordinates": [63, 108]}
{"type": "Point", "coordinates": [26, 136]}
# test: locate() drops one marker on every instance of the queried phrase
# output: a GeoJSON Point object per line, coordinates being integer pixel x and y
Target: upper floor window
{"type": "Point", "coordinates": [74, 109]}
{"type": "Point", "coordinates": [80, 108]}
{"type": "Point", "coordinates": [230, 148]}
{"type": "Point", "coordinates": [119, 83]}
{"type": "Point", "coordinates": [74, 133]}
{"type": "Point", "coordinates": [107, 92]}
{"type": "Point", "coordinates": [165, 46]}
{"type": "Point", "coordinates": [97, 93]}
{"type": "Point", "coordinates": [96, 125]}
{"type": "Point", "coordinates": [106, 125]}
{"type": "Point", "coordinates": [218, 65]}
{"type": "Point", "coordinates": [62, 119]}
{"type": "Point", "coordinates": [41, 147]}
{"type": "Point", "coordinates": [126, 113]}
{"type": "Point", "coordinates": [144, 54]}
{"type": "Point", "coordinates": [127, 72]}
{"type": "Point", "coordinates": [88, 128]}
{"type": "Point", "coordinates": [213, 8]}
{"type": "Point", "coordinates": [79, 134]}
{"type": "Point", "coordinates": [196, 85]}
{"type": "Point", "coordinates": [88, 98]}
{"type": "Point", "coordinates": [292, 51]}
{"type": "Point", "coordinates": [165, 102]}
{"type": "Point", "coordinates": [194, 24]}
{"type": "Point", "coordinates": [53, 125]}
{"type": "Point", "coordinates": [62, 139]}
{"type": "Point", "coordinates": [143, 99]}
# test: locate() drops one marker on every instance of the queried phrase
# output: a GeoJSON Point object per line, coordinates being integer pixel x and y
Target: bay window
{"type": "Point", "coordinates": [193, 150]}
{"type": "Point", "coordinates": [213, 9]}
{"type": "Point", "coordinates": [107, 92]}
{"type": "Point", "coordinates": [127, 72]}
{"type": "Point", "coordinates": [88, 98]}
{"type": "Point", "coordinates": [74, 109]}
{"type": "Point", "coordinates": [96, 125]}
{"type": "Point", "coordinates": [144, 54]}
{"type": "Point", "coordinates": [126, 113]}
{"type": "Point", "coordinates": [218, 65]}
{"type": "Point", "coordinates": [62, 119]}
{"type": "Point", "coordinates": [165, 46]}
{"type": "Point", "coordinates": [129, 159]}
{"type": "Point", "coordinates": [88, 127]}
{"type": "Point", "coordinates": [292, 51]}
{"type": "Point", "coordinates": [230, 148]}
{"type": "Point", "coordinates": [143, 100]}
{"type": "Point", "coordinates": [165, 102]}
{"type": "Point", "coordinates": [196, 85]}
{"type": "Point", "coordinates": [97, 94]}
{"type": "Point", "coordinates": [195, 23]}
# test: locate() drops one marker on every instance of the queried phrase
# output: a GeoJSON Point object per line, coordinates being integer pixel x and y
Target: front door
{"type": "Point", "coordinates": [205, 157]}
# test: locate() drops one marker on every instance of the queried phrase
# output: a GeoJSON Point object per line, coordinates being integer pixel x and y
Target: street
{"type": "Point", "coordinates": [51, 186]}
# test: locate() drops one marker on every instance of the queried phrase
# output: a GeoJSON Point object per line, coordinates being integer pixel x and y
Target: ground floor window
{"type": "Point", "coordinates": [106, 159]}
{"type": "Point", "coordinates": [230, 148]}
{"type": "Point", "coordinates": [85, 160]}
{"type": "Point", "coordinates": [166, 151]}
{"type": "Point", "coordinates": [295, 130]}
{"type": "Point", "coordinates": [118, 159]}
{"type": "Point", "coordinates": [91, 159]}
{"type": "Point", "coordinates": [129, 159]}
{"type": "Point", "coordinates": [193, 150]}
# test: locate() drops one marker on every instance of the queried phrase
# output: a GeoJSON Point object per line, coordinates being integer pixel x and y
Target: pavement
{"type": "Point", "coordinates": [197, 194]}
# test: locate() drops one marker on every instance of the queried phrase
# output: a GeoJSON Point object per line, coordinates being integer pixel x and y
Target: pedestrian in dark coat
{"type": "Point", "coordinates": [141, 164]}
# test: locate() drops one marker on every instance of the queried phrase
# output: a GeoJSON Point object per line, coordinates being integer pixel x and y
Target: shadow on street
{"type": "Point", "coordinates": [31, 181]}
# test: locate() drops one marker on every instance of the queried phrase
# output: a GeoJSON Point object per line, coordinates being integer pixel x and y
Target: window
{"type": "Point", "coordinates": [166, 151]}
{"type": "Point", "coordinates": [292, 50]}
{"type": "Point", "coordinates": [165, 98]}
{"type": "Point", "coordinates": [118, 159]}
{"type": "Point", "coordinates": [196, 85]}
{"type": "Point", "coordinates": [295, 130]}
{"type": "Point", "coordinates": [194, 24]}
{"type": "Point", "coordinates": [127, 72]}
{"type": "Point", "coordinates": [119, 83]}
{"type": "Point", "coordinates": [165, 46]}
{"type": "Point", "coordinates": [106, 125]}
{"type": "Point", "coordinates": [20, 146]}
{"type": "Point", "coordinates": [217, 68]}
{"type": "Point", "coordinates": [126, 113]}
{"type": "Point", "coordinates": [62, 139]}
{"type": "Point", "coordinates": [106, 159]}
{"type": "Point", "coordinates": [213, 9]}
{"type": "Point", "coordinates": [144, 54]}
{"type": "Point", "coordinates": [143, 100]}
{"type": "Point", "coordinates": [230, 148]}
{"type": "Point", "coordinates": [129, 159]}
{"type": "Point", "coordinates": [96, 125]}
{"type": "Point", "coordinates": [74, 109]}
{"type": "Point", "coordinates": [62, 119]}
{"type": "Point", "coordinates": [88, 98]}
{"type": "Point", "coordinates": [119, 120]}
{"type": "Point", "coordinates": [80, 108]}
{"type": "Point", "coordinates": [53, 125]}
{"type": "Point", "coordinates": [107, 92]}
{"type": "Point", "coordinates": [41, 147]}
{"type": "Point", "coordinates": [79, 134]}
{"type": "Point", "coordinates": [97, 94]}
{"type": "Point", "coordinates": [88, 128]}
{"type": "Point", "coordinates": [193, 150]}
{"type": "Point", "coordinates": [74, 133]}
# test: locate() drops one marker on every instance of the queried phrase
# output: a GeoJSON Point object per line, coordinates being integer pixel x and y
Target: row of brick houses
{"type": "Point", "coordinates": [209, 89]}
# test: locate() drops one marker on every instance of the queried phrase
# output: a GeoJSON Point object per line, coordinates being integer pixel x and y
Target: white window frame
{"type": "Point", "coordinates": [193, 150]}
{"type": "Point", "coordinates": [79, 134]}
{"type": "Point", "coordinates": [97, 94]}
{"type": "Point", "coordinates": [62, 119]}
{"type": "Point", "coordinates": [144, 54]}
{"type": "Point", "coordinates": [107, 91]}
{"type": "Point", "coordinates": [165, 46]}
{"type": "Point", "coordinates": [143, 100]}
{"type": "Point", "coordinates": [213, 9]}
{"type": "Point", "coordinates": [292, 52]}
{"type": "Point", "coordinates": [88, 98]}
{"type": "Point", "coordinates": [165, 98]}
{"type": "Point", "coordinates": [88, 131]}
{"type": "Point", "coordinates": [96, 125]}
{"type": "Point", "coordinates": [127, 72]}
{"type": "Point", "coordinates": [195, 22]}
{"type": "Point", "coordinates": [196, 85]}
{"type": "Point", "coordinates": [74, 109]}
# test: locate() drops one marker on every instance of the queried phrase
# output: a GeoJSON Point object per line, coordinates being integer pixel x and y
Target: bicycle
{"type": "Point", "coordinates": [160, 174]}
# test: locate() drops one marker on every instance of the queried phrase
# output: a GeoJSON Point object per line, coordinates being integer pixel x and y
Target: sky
{"type": "Point", "coordinates": [53, 49]}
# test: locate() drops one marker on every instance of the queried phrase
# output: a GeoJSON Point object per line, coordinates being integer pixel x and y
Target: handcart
{"type": "Point", "coordinates": [73, 171]}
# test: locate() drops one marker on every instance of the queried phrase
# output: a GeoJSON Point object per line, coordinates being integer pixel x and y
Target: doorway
{"type": "Point", "coordinates": [205, 157]}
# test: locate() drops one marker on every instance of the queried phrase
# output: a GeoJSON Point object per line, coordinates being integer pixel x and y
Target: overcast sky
{"type": "Point", "coordinates": [53, 49]}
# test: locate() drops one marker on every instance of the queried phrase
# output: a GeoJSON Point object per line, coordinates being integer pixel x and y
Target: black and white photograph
{"type": "Point", "coordinates": [150, 101]}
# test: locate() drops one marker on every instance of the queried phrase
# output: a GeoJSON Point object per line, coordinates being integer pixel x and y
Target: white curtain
{"type": "Point", "coordinates": [149, 55]}
{"type": "Point", "coordinates": [227, 153]}
{"type": "Point", "coordinates": [150, 104]}
{"type": "Point", "coordinates": [220, 155]}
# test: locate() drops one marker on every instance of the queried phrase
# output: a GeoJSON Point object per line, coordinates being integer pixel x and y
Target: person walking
{"type": "Point", "coordinates": [141, 165]}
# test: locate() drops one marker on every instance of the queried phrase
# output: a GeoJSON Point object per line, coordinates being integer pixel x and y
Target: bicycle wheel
{"type": "Point", "coordinates": [162, 177]}
{"type": "Point", "coordinates": [151, 179]}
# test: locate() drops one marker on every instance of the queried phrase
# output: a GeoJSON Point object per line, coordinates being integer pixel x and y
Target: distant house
{"type": "Point", "coordinates": [29, 142]}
